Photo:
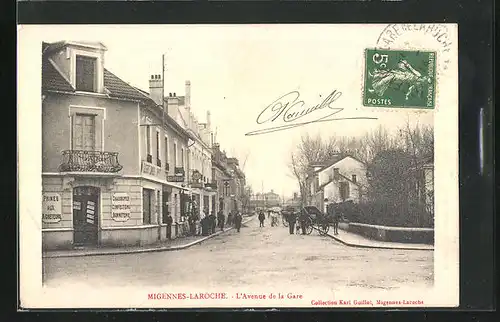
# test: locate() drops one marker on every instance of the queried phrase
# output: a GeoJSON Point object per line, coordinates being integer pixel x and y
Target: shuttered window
{"type": "Point", "coordinates": [84, 132]}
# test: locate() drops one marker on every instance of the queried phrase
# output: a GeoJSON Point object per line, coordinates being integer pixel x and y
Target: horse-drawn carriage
{"type": "Point", "coordinates": [310, 217]}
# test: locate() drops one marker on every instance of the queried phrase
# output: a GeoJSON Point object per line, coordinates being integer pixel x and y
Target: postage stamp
{"type": "Point", "coordinates": [399, 78]}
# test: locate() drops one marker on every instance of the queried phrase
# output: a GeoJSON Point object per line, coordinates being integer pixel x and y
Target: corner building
{"type": "Point", "coordinates": [112, 165]}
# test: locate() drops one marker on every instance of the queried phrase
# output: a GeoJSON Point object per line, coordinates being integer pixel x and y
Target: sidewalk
{"type": "Point", "coordinates": [355, 240]}
{"type": "Point", "coordinates": [174, 244]}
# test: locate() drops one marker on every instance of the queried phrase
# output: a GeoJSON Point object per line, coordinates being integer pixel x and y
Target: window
{"type": "Point", "coordinates": [175, 155]}
{"type": "Point", "coordinates": [158, 161]}
{"type": "Point", "coordinates": [158, 203]}
{"type": "Point", "coordinates": [148, 142]}
{"type": "Point", "coordinates": [344, 190]}
{"type": "Point", "coordinates": [354, 178]}
{"type": "Point", "coordinates": [166, 150]}
{"type": "Point", "coordinates": [86, 73]}
{"type": "Point", "coordinates": [84, 132]}
{"type": "Point", "coordinates": [147, 206]}
{"type": "Point", "coordinates": [182, 157]}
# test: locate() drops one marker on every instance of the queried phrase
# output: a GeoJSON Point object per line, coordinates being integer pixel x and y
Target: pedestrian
{"type": "Point", "coordinates": [169, 226]}
{"type": "Point", "coordinates": [192, 227]}
{"type": "Point", "coordinates": [336, 219]}
{"type": "Point", "coordinates": [303, 220]}
{"type": "Point", "coordinates": [213, 221]}
{"type": "Point", "coordinates": [230, 218]}
{"type": "Point", "coordinates": [291, 218]}
{"type": "Point", "coordinates": [262, 217]}
{"type": "Point", "coordinates": [221, 218]}
{"type": "Point", "coordinates": [275, 218]}
{"type": "Point", "coordinates": [237, 221]}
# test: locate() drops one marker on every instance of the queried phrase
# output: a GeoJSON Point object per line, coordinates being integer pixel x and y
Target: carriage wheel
{"type": "Point", "coordinates": [309, 226]}
{"type": "Point", "coordinates": [323, 228]}
{"type": "Point", "coordinates": [285, 223]}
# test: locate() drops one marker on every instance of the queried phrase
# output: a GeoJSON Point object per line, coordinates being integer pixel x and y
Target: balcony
{"type": "Point", "coordinates": [90, 161]}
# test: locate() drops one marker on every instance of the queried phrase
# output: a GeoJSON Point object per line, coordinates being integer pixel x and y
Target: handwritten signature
{"type": "Point", "coordinates": [288, 108]}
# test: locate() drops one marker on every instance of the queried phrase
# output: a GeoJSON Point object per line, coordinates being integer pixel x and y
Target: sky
{"type": "Point", "coordinates": [237, 71]}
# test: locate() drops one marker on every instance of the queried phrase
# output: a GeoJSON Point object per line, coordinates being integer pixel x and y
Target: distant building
{"type": "Point", "coordinates": [341, 179]}
{"type": "Point", "coordinates": [266, 200]}
{"type": "Point", "coordinates": [230, 181]}
{"type": "Point", "coordinates": [295, 201]}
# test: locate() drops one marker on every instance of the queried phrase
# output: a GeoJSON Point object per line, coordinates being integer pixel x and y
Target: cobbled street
{"type": "Point", "coordinates": [268, 255]}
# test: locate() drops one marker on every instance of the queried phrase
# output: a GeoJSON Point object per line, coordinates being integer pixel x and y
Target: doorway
{"type": "Point", "coordinates": [85, 216]}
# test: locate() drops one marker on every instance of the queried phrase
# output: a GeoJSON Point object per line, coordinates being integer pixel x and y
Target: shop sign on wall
{"type": "Point", "coordinates": [51, 207]}
{"type": "Point", "coordinates": [149, 169]}
{"type": "Point", "coordinates": [120, 206]}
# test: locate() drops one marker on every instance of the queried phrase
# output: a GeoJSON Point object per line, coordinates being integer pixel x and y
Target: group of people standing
{"type": "Point", "coordinates": [210, 222]}
{"type": "Point", "coordinates": [291, 217]}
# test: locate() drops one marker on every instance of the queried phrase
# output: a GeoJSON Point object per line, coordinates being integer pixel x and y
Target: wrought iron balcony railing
{"type": "Point", "coordinates": [90, 161]}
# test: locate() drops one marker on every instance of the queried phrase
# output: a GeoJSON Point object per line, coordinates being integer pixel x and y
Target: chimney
{"type": "Point", "coordinates": [156, 89]}
{"type": "Point", "coordinates": [173, 105]}
{"type": "Point", "coordinates": [208, 121]}
{"type": "Point", "coordinates": [188, 94]}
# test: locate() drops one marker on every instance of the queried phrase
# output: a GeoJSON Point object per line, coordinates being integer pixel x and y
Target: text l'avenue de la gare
{"type": "Point", "coordinates": [223, 296]}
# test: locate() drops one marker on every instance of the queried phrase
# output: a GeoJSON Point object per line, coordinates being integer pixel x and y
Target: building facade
{"type": "Point", "coordinates": [199, 152]}
{"type": "Point", "coordinates": [109, 155]}
{"type": "Point", "coordinates": [230, 181]}
{"type": "Point", "coordinates": [342, 179]}
{"type": "Point", "coordinates": [222, 177]}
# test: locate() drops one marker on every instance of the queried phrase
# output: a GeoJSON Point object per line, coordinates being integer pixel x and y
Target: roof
{"type": "Point", "coordinates": [333, 179]}
{"type": "Point", "coordinates": [120, 89]}
{"type": "Point", "coordinates": [332, 161]}
{"type": "Point", "coordinates": [52, 80]}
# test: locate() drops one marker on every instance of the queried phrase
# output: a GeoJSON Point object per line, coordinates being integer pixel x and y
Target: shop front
{"type": "Point", "coordinates": [108, 211]}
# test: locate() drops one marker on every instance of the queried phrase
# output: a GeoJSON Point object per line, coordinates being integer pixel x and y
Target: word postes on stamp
{"type": "Point", "coordinates": [399, 78]}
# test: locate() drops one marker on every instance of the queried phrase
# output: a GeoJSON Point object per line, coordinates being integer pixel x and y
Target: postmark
{"type": "Point", "coordinates": [439, 37]}
{"type": "Point", "coordinates": [399, 78]}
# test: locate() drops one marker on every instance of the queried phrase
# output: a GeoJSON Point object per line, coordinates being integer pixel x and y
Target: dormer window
{"type": "Point", "coordinates": [86, 73]}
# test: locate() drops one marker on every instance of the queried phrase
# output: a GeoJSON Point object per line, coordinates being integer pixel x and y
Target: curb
{"type": "Point", "coordinates": [146, 250]}
{"type": "Point", "coordinates": [375, 247]}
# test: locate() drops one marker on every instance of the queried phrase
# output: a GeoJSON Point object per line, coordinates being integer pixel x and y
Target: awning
{"type": "Point", "coordinates": [173, 185]}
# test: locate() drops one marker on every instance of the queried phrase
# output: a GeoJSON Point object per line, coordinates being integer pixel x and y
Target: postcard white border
{"type": "Point", "coordinates": [445, 292]}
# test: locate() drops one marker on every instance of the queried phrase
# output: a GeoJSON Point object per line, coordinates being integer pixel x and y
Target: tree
{"type": "Point", "coordinates": [246, 197]}
{"type": "Point", "coordinates": [309, 151]}
{"type": "Point", "coordinates": [387, 174]}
